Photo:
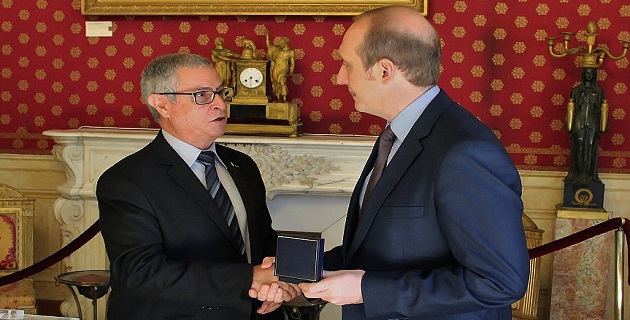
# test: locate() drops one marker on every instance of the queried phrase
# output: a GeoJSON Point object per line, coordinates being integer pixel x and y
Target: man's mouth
{"type": "Point", "coordinates": [218, 119]}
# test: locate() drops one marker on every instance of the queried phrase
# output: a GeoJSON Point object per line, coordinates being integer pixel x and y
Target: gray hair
{"type": "Point", "coordinates": [417, 57]}
{"type": "Point", "coordinates": [161, 75]}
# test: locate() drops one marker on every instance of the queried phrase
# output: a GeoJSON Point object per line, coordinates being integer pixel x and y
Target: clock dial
{"type": "Point", "coordinates": [251, 78]}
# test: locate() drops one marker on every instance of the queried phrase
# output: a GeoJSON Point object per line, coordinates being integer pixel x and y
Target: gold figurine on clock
{"type": "Point", "coordinates": [252, 109]}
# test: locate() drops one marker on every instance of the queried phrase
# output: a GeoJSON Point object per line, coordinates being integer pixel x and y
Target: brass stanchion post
{"type": "Point", "coordinates": [619, 274]}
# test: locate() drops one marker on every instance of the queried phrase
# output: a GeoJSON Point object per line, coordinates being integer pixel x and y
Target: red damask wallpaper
{"type": "Point", "coordinates": [495, 63]}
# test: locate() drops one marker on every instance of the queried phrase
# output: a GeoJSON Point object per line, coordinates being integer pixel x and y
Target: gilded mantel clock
{"type": "Point", "coordinates": [252, 81]}
{"type": "Point", "coordinates": [251, 109]}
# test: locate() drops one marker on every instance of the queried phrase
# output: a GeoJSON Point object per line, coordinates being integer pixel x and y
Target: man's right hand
{"type": "Point", "coordinates": [267, 287]}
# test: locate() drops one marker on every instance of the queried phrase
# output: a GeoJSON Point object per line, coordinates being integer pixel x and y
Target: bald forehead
{"type": "Point", "coordinates": [399, 18]}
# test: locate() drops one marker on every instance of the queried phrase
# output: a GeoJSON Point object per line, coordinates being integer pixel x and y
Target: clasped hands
{"type": "Point", "coordinates": [266, 287]}
{"type": "Point", "coordinates": [337, 287]}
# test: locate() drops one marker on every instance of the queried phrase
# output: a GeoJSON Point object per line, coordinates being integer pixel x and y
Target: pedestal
{"type": "Point", "coordinates": [580, 271]}
{"type": "Point", "coordinates": [583, 195]}
{"type": "Point", "coordinates": [302, 309]}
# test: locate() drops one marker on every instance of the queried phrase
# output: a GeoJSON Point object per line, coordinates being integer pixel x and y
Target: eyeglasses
{"type": "Point", "coordinates": [202, 97]}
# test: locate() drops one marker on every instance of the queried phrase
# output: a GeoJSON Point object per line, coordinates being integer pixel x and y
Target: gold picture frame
{"type": "Point", "coordinates": [240, 7]}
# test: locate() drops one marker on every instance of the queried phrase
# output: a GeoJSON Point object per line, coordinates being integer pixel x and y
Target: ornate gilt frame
{"type": "Point", "coordinates": [240, 7]}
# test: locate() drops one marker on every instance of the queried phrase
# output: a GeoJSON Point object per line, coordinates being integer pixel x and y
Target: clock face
{"type": "Point", "coordinates": [251, 78]}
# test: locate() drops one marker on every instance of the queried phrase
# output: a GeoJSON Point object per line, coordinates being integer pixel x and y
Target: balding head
{"type": "Point", "coordinates": [403, 35]}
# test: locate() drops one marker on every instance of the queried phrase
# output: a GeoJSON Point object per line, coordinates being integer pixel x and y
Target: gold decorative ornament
{"type": "Point", "coordinates": [252, 76]}
{"type": "Point", "coordinates": [591, 57]}
{"type": "Point", "coordinates": [252, 110]}
{"type": "Point", "coordinates": [222, 58]}
{"type": "Point", "coordinates": [282, 60]}
{"type": "Point", "coordinates": [583, 197]}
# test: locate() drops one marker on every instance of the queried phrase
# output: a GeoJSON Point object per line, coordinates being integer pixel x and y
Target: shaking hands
{"type": "Point", "coordinates": [267, 288]}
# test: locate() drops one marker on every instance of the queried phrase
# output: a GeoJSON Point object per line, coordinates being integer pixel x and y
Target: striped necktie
{"type": "Point", "coordinates": [220, 196]}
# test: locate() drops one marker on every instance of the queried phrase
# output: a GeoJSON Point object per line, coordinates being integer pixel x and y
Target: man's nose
{"type": "Point", "coordinates": [342, 77]}
{"type": "Point", "coordinates": [218, 103]}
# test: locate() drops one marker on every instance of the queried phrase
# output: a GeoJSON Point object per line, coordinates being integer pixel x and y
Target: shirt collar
{"type": "Point", "coordinates": [188, 152]}
{"type": "Point", "coordinates": [404, 121]}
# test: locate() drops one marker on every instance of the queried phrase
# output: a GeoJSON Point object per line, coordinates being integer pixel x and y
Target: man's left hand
{"type": "Point", "coordinates": [337, 287]}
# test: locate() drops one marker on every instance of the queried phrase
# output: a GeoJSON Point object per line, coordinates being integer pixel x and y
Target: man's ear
{"type": "Point", "coordinates": [386, 69]}
{"type": "Point", "coordinates": [159, 103]}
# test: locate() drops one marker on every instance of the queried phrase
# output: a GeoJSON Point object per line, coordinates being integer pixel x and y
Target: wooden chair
{"type": "Point", "coordinates": [16, 249]}
{"type": "Point", "coordinates": [527, 307]}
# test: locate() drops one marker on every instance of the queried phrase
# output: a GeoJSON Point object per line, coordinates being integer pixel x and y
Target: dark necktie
{"type": "Point", "coordinates": [220, 196]}
{"type": "Point", "coordinates": [386, 140]}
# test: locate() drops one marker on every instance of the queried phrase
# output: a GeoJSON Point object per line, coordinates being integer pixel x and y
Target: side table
{"type": "Point", "coordinates": [91, 284]}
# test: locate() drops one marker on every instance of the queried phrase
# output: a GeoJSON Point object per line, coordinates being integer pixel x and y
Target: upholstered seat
{"type": "Point", "coordinates": [16, 249]}
{"type": "Point", "coordinates": [18, 295]}
{"type": "Point", "coordinates": [527, 307]}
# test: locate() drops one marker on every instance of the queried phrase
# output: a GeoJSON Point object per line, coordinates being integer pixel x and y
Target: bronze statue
{"type": "Point", "coordinates": [586, 120]}
{"type": "Point", "coordinates": [282, 64]}
{"type": "Point", "coordinates": [222, 58]}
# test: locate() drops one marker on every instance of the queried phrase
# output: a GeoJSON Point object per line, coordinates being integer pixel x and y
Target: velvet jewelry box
{"type": "Point", "coordinates": [299, 259]}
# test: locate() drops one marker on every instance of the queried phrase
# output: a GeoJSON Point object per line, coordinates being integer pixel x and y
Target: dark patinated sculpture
{"type": "Point", "coordinates": [586, 120]}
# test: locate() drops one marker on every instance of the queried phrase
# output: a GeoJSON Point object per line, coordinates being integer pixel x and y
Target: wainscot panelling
{"type": "Point", "coordinates": [38, 176]}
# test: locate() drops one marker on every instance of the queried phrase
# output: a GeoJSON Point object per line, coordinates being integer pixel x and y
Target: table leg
{"type": "Point", "coordinates": [76, 300]}
{"type": "Point", "coordinates": [95, 309]}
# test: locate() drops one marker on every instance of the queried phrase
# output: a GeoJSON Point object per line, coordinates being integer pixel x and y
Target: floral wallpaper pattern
{"type": "Point", "coordinates": [495, 63]}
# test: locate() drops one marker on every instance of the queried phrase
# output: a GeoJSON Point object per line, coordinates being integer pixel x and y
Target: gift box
{"type": "Point", "coordinates": [299, 259]}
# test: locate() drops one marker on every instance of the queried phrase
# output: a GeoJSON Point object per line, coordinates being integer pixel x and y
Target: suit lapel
{"type": "Point", "coordinates": [354, 207]}
{"type": "Point", "coordinates": [244, 189]}
{"type": "Point", "coordinates": [409, 150]}
{"type": "Point", "coordinates": [186, 179]}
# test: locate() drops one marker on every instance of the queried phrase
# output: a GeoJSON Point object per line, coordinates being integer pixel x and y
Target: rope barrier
{"type": "Point", "coordinates": [612, 224]}
{"type": "Point", "coordinates": [71, 247]}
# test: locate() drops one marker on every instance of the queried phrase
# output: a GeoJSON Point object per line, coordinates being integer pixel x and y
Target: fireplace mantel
{"type": "Point", "coordinates": [325, 164]}
{"type": "Point", "coordinates": [310, 164]}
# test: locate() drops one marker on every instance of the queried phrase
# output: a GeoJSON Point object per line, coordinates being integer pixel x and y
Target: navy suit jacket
{"type": "Point", "coordinates": [170, 249]}
{"type": "Point", "coordinates": [441, 236]}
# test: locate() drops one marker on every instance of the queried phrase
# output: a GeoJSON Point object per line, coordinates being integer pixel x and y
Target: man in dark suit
{"type": "Point", "coordinates": [440, 235]}
{"type": "Point", "coordinates": [171, 251]}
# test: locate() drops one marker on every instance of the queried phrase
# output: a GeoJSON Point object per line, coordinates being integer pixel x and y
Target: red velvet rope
{"type": "Point", "coordinates": [556, 245]}
{"type": "Point", "coordinates": [612, 224]}
{"type": "Point", "coordinates": [71, 247]}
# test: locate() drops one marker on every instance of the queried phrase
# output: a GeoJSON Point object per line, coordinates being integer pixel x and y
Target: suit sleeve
{"type": "Point", "coordinates": [333, 259]}
{"type": "Point", "coordinates": [478, 207]}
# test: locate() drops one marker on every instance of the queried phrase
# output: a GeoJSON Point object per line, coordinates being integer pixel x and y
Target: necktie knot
{"type": "Point", "coordinates": [388, 135]}
{"type": "Point", "coordinates": [206, 157]}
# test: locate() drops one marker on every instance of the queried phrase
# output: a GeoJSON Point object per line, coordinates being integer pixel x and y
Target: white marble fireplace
{"type": "Point", "coordinates": [308, 179]}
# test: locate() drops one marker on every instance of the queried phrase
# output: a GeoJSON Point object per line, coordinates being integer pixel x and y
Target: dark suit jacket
{"type": "Point", "coordinates": [441, 236]}
{"type": "Point", "coordinates": [170, 250]}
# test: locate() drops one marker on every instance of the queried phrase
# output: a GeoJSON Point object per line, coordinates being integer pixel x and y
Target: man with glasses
{"type": "Point", "coordinates": [184, 220]}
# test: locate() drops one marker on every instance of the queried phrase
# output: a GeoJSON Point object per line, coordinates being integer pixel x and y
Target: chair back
{"type": "Point", "coordinates": [16, 248]}
{"type": "Point", "coordinates": [527, 307]}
